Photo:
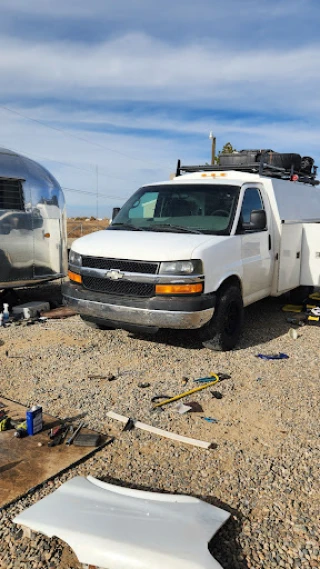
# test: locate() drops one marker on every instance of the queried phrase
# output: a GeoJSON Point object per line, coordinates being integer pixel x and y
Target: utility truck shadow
{"type": "Point", "coordinates": [264, 321]}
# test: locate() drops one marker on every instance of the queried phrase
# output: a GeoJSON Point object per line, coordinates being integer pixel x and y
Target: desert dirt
{"type": "Point", "coordinates": [77, 227]}
{"type": "Point", "coordinates": [264, 469]}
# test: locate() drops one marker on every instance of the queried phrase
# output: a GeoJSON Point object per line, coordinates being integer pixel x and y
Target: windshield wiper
{"type": "Point", "coordinates": [172, 228]}
{"type": "Point", "coordinates": [125, 226]}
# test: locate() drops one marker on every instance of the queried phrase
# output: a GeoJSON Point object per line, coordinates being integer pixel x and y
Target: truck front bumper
{"type": "Point", "coordinates": [156, 312]}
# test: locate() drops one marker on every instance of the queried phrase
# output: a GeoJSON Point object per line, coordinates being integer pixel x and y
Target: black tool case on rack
{"type": "Point", "coordinates": [241, 158]}
{"type": "Point", "coordinates": [251, 157]}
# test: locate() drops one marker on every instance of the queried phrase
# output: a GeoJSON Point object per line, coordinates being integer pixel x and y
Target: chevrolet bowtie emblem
{"type": "Point", "coordinates": [114, 274]}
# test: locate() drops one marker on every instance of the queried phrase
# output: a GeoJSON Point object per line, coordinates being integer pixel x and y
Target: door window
{"type": "Point", "coordinates": [251, 201]}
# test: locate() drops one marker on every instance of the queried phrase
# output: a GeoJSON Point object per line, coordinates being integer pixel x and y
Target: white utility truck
{"type": "Point", "coordinates": [193, 252]}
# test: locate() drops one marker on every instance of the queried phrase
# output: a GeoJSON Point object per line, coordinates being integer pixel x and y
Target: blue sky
{"type": "Point", "coordinates": [135, 85]}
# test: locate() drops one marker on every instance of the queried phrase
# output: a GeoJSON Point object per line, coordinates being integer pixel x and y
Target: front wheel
{"type": "Point", "coordinates": [223, 331]}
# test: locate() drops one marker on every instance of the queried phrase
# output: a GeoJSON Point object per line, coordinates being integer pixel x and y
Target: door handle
{"type": "Point", "coordinates": [269, 242]}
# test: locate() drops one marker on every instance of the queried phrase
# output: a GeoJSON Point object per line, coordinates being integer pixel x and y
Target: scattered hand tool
{"type": "Point", "coordinates": [55, 431]}
{"type": "Point", "coordinates": [186, 393]}
{"type": "Point", "coordinates": [58, 434]}
{"type": "Point", "coordinates": [279, 356]}
{"type": "Point", "coordinates": [109, 377]}
{"type": "Point", "coordinates": [129, 425]}
{"type": "Point", "coordinates": [70, 440]}
{"type": "Point", "coordinates": [216, 394]}
{"type": "Point", "coordinates": [189, 406]}
{"type": "Point", "coordinates": [87, 440]}
{"type": "Point", "coordinates": [157, 397]}
{"type": "Point", "coordinates": [315, 311]}
{"type": "Point", "coordinates": [292, 308]}
{"type": "Point", "coordinates": [296, 321]}
{"type": "Point", "coordinates": [5, 424]}
{"type": "Point", "coordinates": [21, 430]}
{"type": "Point", "coordinates": [221, 376]}
{"type": "Point", "coordinates": [3, 414]}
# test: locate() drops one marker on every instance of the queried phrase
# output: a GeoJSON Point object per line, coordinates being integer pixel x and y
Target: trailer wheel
{"type": "Point", "coordinates": [222, 333]}
{"type": "Point", "coordinates": [96, 324]}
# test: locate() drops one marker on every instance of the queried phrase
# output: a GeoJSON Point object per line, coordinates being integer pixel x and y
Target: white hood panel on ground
{"type": "Point", "coordinates": [118, 528]}
{"type": "Point", "coordinates": [142, 245]}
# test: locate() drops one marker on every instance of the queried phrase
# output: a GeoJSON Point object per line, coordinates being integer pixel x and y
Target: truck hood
{"type": "Point", "coordinates": [145, 245]}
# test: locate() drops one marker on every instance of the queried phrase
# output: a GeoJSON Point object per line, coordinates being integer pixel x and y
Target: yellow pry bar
{"type": "Point", "coordinates": [176, 397]}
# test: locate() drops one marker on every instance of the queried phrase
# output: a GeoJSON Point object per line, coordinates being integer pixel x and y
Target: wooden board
{"type": "Point", "coordinates": [24, 465]}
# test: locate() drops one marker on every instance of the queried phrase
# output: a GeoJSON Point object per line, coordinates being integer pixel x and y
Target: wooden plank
{"type": "Point", "coordinates": [160, 432]}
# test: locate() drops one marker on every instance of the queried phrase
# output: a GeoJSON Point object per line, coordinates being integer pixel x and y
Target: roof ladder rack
{"type": "Point", "coordinates": [261, 168]}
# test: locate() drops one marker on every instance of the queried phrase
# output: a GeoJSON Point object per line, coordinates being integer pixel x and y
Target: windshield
{"type": "Point", "coordinates": [192, 208]}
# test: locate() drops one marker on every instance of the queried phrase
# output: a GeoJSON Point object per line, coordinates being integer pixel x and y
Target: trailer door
{"type": "Point", "coordinates": [289, 256]}
{"type": "Point", "coordinates": [47, 248]}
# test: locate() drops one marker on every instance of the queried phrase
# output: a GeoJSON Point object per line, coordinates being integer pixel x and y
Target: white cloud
{"type": "Point", "coordinates": [137, 67]}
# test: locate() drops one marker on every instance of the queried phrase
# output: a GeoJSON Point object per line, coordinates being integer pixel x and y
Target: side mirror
{"type": "Point", "coordinates": [258, 220]}
{"type": "Point", "coordinates": [115, 212]}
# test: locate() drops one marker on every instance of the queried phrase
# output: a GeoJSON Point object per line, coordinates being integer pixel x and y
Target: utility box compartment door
{"type": "Point", "coordinates": [310, 255]}
{"type": "Point", "coordinates": [289, 256]}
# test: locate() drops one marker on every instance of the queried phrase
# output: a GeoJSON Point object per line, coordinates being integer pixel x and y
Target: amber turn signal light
{"type": "Point", "coordinates": [75, 277]}
{"type": "Point", "coordinates": [179, 289]}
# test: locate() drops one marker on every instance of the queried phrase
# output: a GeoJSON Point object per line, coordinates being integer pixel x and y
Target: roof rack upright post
{"type": "Point", "coordinates": [260, 168]}
{"type": "Point", "coordinates": [178, 168]}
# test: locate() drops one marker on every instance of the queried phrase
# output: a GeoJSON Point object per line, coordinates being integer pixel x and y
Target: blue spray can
{"type": "Point", "coordinates": [34, 420]}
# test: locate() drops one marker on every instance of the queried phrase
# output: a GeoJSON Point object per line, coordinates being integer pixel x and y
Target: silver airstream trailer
{"type": "Point", "coordinates": [33, 236]}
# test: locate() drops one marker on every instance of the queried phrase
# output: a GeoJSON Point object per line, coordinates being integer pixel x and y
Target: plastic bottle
{"type": "Point", "coordinates": [6, 314]}
{"type": "Point", "coordinates": [1, 318]}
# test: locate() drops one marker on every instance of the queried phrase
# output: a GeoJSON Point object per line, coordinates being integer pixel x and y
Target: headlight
{"type": "Point", "coordinates": [75, 261]}
{"type": "Point", "coordinates": [193, 267]}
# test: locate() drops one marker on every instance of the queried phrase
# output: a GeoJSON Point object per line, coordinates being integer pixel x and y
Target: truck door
{"type": "Point", "coordinates": [255, 248]}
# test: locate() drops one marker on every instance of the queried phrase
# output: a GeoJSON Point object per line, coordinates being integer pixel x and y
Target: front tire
{"type": "Point", "coordinates": [222, 333]}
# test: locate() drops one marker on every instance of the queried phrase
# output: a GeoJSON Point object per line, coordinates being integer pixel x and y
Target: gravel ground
{"type": "Point", "coordinates": [265, 469]}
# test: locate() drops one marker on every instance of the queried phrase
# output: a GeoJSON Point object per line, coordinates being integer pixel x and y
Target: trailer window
{"type": "Point", "coordinates": [11, 194]}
